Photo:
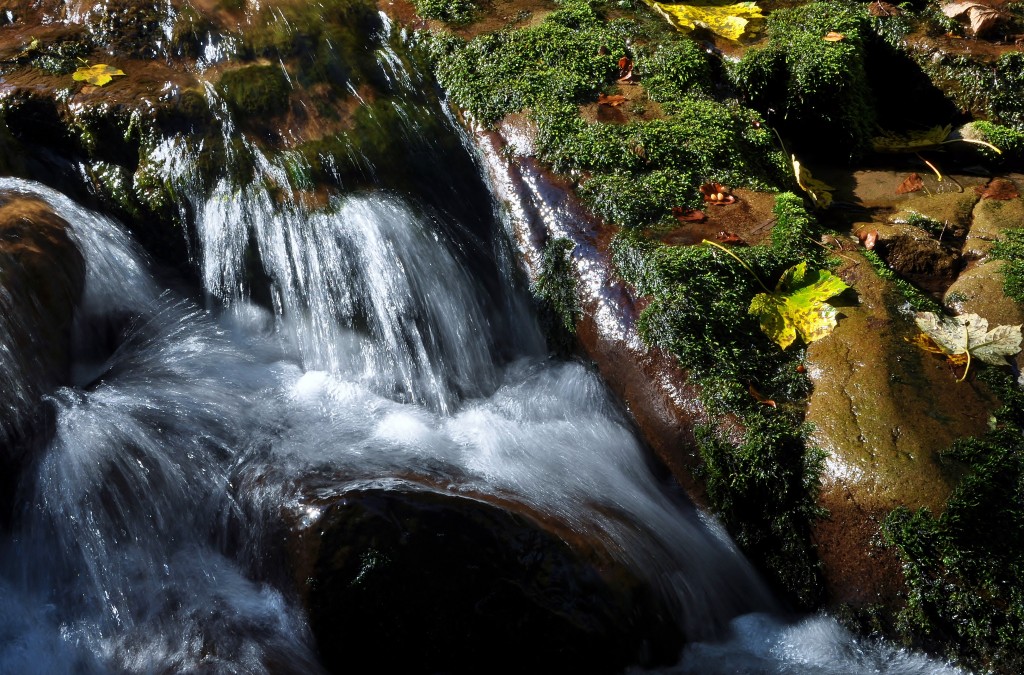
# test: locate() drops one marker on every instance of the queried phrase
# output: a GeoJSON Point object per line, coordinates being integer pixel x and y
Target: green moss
{"type": "Point", "coordinates": [451, 11]}
{"type": "Point", "coordinates": [965, 568]}
{"type": "Point", "coordinates": [810, 88]}
{"type": "Point", "coordinates": [1006, 100]}
{"type": "Point", "coordinates": [1011, 249]}
{"type": "Point", "coordinates": [765, 487]}
{"type": "Point", "coordinates": [637, 200]}
{"type": "Point", "coordinates": [569, 55]}
{"type": "Point", "coordinates": [674, 70]}
{"type": "Point", "coordinates": [556, 284]}
{"type": "Point", "coordinates": [255, 91]}
{"type": "Point", "coordinates": [1008, 139]}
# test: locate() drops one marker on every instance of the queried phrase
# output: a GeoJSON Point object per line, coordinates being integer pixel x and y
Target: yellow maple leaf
{"type": "Point", "coordinates": [98, 74]}
{"type": "Point", "coordinates": [797, 306]}
{"type": "Point", "coordinates": [731, 20]}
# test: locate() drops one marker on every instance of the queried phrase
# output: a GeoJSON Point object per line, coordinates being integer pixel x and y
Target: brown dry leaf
{"type": "Point", "coordinates": [759, 397]}
{"type": "Point", "coordinates": [717, 194]}
{"type": "Point", "coordinates": [833, 36]}
{"type": "Point", "coordinates": [612, 100]}
{"type": "Point", "coordinates": [998, 188]}
{"type": "Point", "coordinates": [688, 215]}
{"type": "Point", "coordinates": [869, 238]}
{"type": "Point", "coordinates": [979, 18]}
{"type": "Point", "coordinates": [911, 183]}
{"type": "Point", "coordinates": [729, 238]}
{"type": "Point", "coordinates": [883, 9]}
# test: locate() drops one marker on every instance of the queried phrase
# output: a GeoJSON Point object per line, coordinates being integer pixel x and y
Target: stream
{"type": "Point", "coordinates": [396, 351]}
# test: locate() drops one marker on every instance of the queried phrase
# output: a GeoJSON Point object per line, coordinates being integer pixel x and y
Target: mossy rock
{"type": "Point", "coordinates": [882, 410]}
{"type": "Point", "coordinates": [255, 91]}
{"type": "Point", "coordinates": [992, 219]}
{"type": "Point", "coordinates": [815, 91]}
{"type": "Point", "coordinates": [951, 210]}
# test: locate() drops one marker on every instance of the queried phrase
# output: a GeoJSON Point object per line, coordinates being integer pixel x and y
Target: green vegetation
{"type": "Point", "coordinates": [451, 11]}
{"type": "Point", "coordinates": [255, 91]}
{"type": "Point", "coordinates": [810, 88]}
{"type": "Point", "coordinates": [965, 567]}
{"type": "Point", "coordinates": [1007, 139]}
{"type": "Point", "coordinates": [556, 288]}
{"type": "Point", "coordinates": [1011, 249]}
{"type": "Point", "coordinates": [551, 69]}
{"type": "Point", "coordinates": [764, 487]}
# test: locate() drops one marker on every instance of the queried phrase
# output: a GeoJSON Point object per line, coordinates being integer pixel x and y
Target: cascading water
{"type": "Point", "coordinates": [386, 360]}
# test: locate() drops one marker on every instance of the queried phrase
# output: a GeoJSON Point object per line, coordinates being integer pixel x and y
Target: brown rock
{"type": "Point", "coordinates": [915, 255]}
{"type": "Point", "coordinates": [991, 218]}
{"type": "Point", "coordinates": [882, 410]}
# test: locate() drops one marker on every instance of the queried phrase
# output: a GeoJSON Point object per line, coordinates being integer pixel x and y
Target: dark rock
{"type": "Point", "coordinates": [420, 581]}
{"type": "Point", "coordinates": [919, 258]}
{"type": "Point", "coordinates": [41, 278]}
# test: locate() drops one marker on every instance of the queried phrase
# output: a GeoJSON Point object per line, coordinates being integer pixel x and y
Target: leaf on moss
{"type": "Point", "coordinates": [797, 306]}
{"type": "Point", "coordinates": [912, 142]}
{"type": "Point", "coordinates": [819, 192]}
{"type": "Point", "coordinates": [968, 334]}
{"type": "Point", "coordinates": [911, 183]}
{"type": "Point", "coordinates": [833, 36]}
{"type": "Point", "coordinates": [731, 20]}
{"type": "Point", "coordinates": [98, 74]}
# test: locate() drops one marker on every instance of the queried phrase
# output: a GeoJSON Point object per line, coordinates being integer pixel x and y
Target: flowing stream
{"type": "Point", "coordinates": [397, 348]}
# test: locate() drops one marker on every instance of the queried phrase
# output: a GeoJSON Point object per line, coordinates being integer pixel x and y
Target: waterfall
{"type": "Point", "coordinates": [396, 350]}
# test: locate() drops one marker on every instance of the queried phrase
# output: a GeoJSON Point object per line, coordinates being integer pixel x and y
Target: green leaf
{"type": "Point", "coordinates": [98, 74]}
{"type": "Point", "coordinates": [731, 20]}
{"type": "Point", "coordinates": [798, 307]}
{"type": "Point", "coordinates": [969, 334]}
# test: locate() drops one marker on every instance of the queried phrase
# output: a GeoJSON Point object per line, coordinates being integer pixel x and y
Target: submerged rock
{"type": "Point", "coordinates": [418, 580]}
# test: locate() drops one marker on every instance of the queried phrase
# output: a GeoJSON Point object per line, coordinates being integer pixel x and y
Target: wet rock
{"type": "Point", "coordinates": [41, 278]}
{"type": "Point", "coordinates": [882, 410]}
{"type": "Point", "coordinates": [951, 210]}
{"type": "Point", "coordinates": [916, 256]}
{"type": "Point", "coordinates": [979, 290]}
{"type": "Point", "coordinates": [417, 580]}
{"type": "Point", "coordinates": [992, 217]}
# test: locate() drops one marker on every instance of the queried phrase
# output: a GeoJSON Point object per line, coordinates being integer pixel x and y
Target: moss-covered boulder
{"type": "Point", "coordinates": [992, 219]}
{"type": "Point", "coordinates": [256, 90]}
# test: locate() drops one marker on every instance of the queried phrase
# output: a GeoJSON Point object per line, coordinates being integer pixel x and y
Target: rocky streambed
{"type": "Point", "coordinates": [598, 124]}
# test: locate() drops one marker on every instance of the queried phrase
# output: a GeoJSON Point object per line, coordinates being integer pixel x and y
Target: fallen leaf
{"type": "Point", "coordinates": [688, 215]}
{"type": "Point", "coordinates": [760, 398]}
{"type": "Point", "coordinates": [729, 237]}
{"type": "Point", "coordinates": [717, 194]}
{"type": "Point", "coordinates": [911, 183]}
{"type": "Point", "coordinates": [819, 192]}
{"type": "Point", "coordinates": [967, 336]}
{"type": "Point", "coordinates": [731, 20]}
{"type": "Point", "coordinates": [797, 306]}
{"type": "Point", "coordinates": [98, 74]}
{"type": "Point", "coordinates": [833, 36]}
{"type": "Point", "coordinates": [911, 142]}
{"type": "Point", "coordinates": [979, 18]}
{"type": "Point", "coordinates": [612, 100]}
{"type": "Point", "coordinates": [883, 9]}
{"type": "Point", "coordinates": [869, 238]}
{"type": "Point", "coordinates": [998, 188]}
{"type": "Point", "coordinates": [625, 66]}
